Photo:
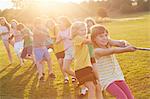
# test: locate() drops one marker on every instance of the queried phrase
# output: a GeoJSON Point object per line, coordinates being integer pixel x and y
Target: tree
{"type": "Point", "coordinates": [102, 12]}
{"type": "Point", "coordinates": [143, 5]}
{"type": "Point", "coordinates": [18, 3]}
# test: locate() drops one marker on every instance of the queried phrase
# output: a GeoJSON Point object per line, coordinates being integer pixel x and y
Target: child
{"type": "Point", "coordinates": [57, 47]}
{"type": "Point", "coordinates": [65, 36]}
{"type": "Point", "coordinates": [27, 36]}
{"type": "Point", "coordinates": [50, 24]}
{"type": "Point", "coordinates": [111, 76]}
{"type": "Point", "coordinates": [4, 33]}
{"type": "Point", "coordinates": [90, 22]}
{"type": "Point", "coordinates": [83, 68]}
{"type": "Point", "coordinates": [39, 49]}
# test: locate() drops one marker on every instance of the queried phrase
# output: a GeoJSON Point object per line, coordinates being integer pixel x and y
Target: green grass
{"type": "Point", "coordinates": [18, 82]}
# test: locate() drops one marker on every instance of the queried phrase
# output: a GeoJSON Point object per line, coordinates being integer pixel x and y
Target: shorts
{"type": "Point", "coordinates": [85, 74]}
{"type": "Point", "coordinates": [60, 55]}
{"type": "Point", "coordinates": [69, 54]}
{"type": "Point", "coordinates": [26, 51]}
{"type": "Point", "coordinates": [18, 46]}
{"type": "Point", "coordinates": [41, 54]}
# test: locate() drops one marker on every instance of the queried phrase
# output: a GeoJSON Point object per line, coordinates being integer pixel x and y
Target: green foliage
{"type": "Point", "coordinates": [102, 12]}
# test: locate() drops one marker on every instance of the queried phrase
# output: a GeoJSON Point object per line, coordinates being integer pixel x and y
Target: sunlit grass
{"type": "Point", "coordinates": [21, 82]}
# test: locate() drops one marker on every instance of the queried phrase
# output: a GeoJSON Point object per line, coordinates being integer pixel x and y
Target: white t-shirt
{"type": "Point", "coordinates": [4, 29]}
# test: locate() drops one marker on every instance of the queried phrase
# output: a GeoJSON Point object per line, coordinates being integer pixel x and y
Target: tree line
{"type": "Point", "coordinates": [26, 10]}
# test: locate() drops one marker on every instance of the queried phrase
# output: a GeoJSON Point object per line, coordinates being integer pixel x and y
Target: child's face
{"type": "Point", "coordinates": [82, 31]}
{"type": "Point", "coordinates": [14, 24]}
{"type": "Point", "coordinates": [102, 39]}
{"type": "Point", "coordinates": [2, 22]}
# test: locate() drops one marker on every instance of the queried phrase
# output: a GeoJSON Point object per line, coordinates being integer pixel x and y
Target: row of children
{"type": "Point", "coordinates": [87, 43]}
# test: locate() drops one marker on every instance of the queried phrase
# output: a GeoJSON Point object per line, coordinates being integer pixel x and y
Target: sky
{"type": "Point", "coordinates": [8, 4]}
{"type": "Point", "coordinates": [5, 4]}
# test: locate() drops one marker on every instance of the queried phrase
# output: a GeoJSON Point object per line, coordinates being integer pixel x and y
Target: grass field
{"type": "Point", "coordinates": [20, 82]}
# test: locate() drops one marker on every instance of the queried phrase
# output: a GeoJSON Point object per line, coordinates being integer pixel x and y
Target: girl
{"type": "Point", "coordinates": [27, 36]}
{"type": "Point", "coordinates": [39, 49]}
{"type": "Point", "coordinates": [111, 76]}
{"type": "Point", "coordinates": [57, 47]}
{"type": "Point", "coordinates": [4, 33]}
{"type": "Point", "coordinates": [50, 24]}
{"type": "Point", "coordinates": [90, 22]}
{"type": "Point", "coordinates": [84, 71]}
{"type": "Point", "coordinates": [18, 39]}
{"type": "Point", "coordinates": [65, 36]}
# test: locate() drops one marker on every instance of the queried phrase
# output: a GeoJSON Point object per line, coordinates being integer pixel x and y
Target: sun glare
{"type": "Point", "coordinates": [64, 1]}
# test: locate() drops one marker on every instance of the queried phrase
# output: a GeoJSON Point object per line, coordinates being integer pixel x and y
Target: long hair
{"type": "Point", "coordinates": [6, 23]}
{"type": "Point", "coordinates": [75, 27]}
{"type": "Point", "coordinates": [65, 21]}
{"type": "Point", "coordinates": [87, 20]}
{"type": "Point", "coordinates": [20, 26]}
{"type": "Point", "coordinates": [53, 22]}
{"type": "Point", "coordinates": [15, 21]}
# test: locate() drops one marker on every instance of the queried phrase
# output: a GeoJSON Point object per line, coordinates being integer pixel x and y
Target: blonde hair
{"type": "Point", "coordinates": [65, 21]}
{"type": "Point", "coordinates": [75, 27]}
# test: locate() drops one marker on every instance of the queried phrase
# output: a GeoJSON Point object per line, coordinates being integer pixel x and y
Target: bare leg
{"type": "Point", "coordinates": [61, 67]}
{"type": "Point", "coordinates": [91, 89]}
{"type": "Point", "coordinates": [40, 69]}
{"type": "Point", "coordinates": [6, 44]}
{"type": "Point", "coordinates": [99, 94]}
{"type": "Point", "coordinates": [67, 68]}
{"type": "Point", "coordinates": [49, 65]}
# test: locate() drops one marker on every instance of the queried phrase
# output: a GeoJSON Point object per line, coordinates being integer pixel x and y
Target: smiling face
{"type": "Point", "coordinates": [82, 31]}
{"type": "Point", "coordinates": [2, 21]}
{"type": "Point", "coordinates": [102, 39]}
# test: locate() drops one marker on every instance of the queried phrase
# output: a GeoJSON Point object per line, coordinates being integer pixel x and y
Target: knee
{"type": "Point", "coordinates": [92, 88]}
{"type": "Point", "coordinates": [98, 88]}
{"type": "Point", "coordinates": [65, 68]}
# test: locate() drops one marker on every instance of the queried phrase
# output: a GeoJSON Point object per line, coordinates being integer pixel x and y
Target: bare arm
{"type": "Point", "coordinates": [58, 39]}
{"type": "Point", "coordinates": [109, 51]}
{"type": "Point", "coordinates": [118, 43]}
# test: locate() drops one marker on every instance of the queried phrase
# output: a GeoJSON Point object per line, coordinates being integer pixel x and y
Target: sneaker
{"type": "Point", "coordinates": [66, 80]}
{"type": "Point", "coordinates": [43, 74]}
{"type": "Point", "coordinates": [52, 75]}
{"type": "Point", "coordinates": [84, 91]}
{"type": "Point", "coordinates": [41, 78]}
{"type": "Point", "coordinates": [73, 79]}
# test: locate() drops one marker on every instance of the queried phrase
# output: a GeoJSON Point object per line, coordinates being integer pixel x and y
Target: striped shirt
{"type": "Point", "coordinates": [109, 70]}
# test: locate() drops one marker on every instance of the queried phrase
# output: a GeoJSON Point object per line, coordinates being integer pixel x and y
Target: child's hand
{"type": "Point", "coordinates": [124, 43]}
{"type": "Point", "coordinates": [130, 48]}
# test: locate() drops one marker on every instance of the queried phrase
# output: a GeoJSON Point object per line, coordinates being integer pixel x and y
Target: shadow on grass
{"type": "Point", "coordinates": [43, 89]}
{"type": "Point", "coordinates": [14, 88]}
{"type": "Point", "coordinates": [5, 68]}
